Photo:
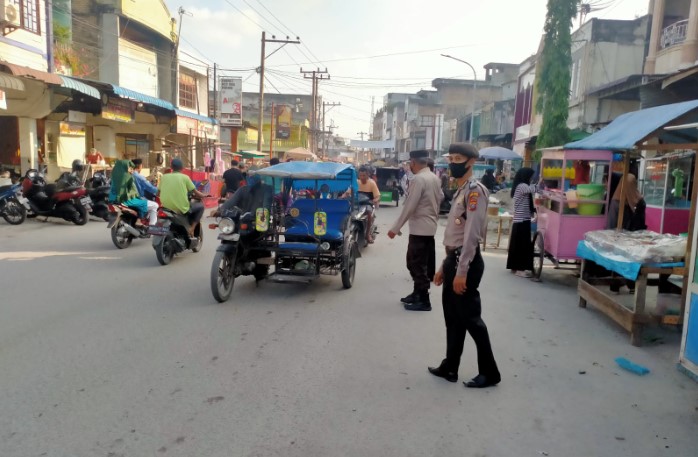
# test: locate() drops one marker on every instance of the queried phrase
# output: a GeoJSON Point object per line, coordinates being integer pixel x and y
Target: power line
{"type": "Point", "coordinates": [243, 13]}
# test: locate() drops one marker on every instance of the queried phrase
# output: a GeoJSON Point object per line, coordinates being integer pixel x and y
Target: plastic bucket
{"type": "Point", "coordinates": [590, 192]}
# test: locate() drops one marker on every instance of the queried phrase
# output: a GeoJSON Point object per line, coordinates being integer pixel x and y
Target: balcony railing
{"type": "Point", "coordinates": [674, 34]}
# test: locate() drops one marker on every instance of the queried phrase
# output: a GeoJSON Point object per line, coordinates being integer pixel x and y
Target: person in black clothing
{"type": "Point", "coordinates": [488, 180]}
{"type": "Point", "coordinates": [233, 178]}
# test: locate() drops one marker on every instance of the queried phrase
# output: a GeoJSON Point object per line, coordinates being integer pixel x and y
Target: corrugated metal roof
{"type": "Point", "coordinates": [10, 82]}
{"type": "Point", "coordinates": [27, 72]}
{"type": "Point", "coordinates": [137, 96]}
{"type": "Point", "coordinates": [79, 86]}
{"type": "Point", "coordinates": [198, 117]}
{"type": "Point", "coordinates": [628, 129]}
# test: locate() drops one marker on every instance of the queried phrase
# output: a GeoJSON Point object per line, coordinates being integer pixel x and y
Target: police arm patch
{"type": "Point", "coordinates": [473, 197]}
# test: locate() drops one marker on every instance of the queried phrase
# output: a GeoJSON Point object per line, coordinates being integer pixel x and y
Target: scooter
{"type": "Point", "coordinates": [63, 199]}
{"type": "Point", "coordinates": [123, 223]}
{"type": "Point", "coordinates": [13, 205]}
{"type": "Point", "coordinates": [99, 188]}
{"type": "Point", "coordinates": [171, 235]}
{"type": "Point", "coordinates": [361, 218]}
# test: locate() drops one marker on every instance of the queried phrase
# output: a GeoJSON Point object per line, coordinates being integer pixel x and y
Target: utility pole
{"type": "Point", "coordinates": [264, 57]}
{"type": "Point", "coordinates": [316, 76]}
{"type": "Point", "coordinates": [362, 138]}
{"type": "Point", "coordinates": [324, 133]}
{"type": "Point", "coordinates": [215, 90]}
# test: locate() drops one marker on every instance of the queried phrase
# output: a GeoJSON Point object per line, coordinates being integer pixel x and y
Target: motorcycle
{"type": "Point", "coordinates": [361, 218]}
{"type": "Point", "coordinates": [99, 188]}
{"type": "Point", "coordinates": [65, 199]}
{"type": "Point", "coordinates": [237, 255]}
{"type": "Point", "coordinates": [123, 223]}
{"type": "Point", "coordinates": [13, 205]}
{"type": "Point", "coordinates": [171, 235]}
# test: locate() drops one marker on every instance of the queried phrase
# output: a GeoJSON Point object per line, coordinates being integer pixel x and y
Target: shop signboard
{"type": "Point", "coordinates": [187, 126]}
{"type": "Point", "coordinates": [70, 129]}
{"type": "Point", "coordinates": [120, 110]}
{"type": "Point", "coordinates": [207, 130]}
{"type": "Point", "coordinates": [3, 100]}
{"type": "Point", "coordinates": [283, 122]}
{"type": "Point", "coordinates": [231, 102]}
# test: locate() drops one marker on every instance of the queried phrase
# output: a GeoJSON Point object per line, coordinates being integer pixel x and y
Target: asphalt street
{"type": "Point", "coordinates": [104, 352]}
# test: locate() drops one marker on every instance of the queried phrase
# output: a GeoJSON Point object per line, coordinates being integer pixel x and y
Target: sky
{"type": "Point", "coordinates": [369, 47]}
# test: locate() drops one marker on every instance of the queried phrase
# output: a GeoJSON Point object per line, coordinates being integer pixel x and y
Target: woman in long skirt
{"type": "Point", "coordinates": [520, 258]}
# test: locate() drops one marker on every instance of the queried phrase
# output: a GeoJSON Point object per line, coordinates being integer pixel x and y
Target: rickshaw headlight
{"type": "Point", "coordinates": [325, 246]}
{"type": "Point", "coordinates": [226, 226]}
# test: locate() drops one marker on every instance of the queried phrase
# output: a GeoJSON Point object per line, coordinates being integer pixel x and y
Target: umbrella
{"type": "Point", "coordinates": [299, 154]}
{"type": "Point", "coordinates": [498, 153]}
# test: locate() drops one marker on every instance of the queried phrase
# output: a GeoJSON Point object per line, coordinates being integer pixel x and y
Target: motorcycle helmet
{"type": "Point", "coordinates": [100, 180]}
{"type": "Point", "coordinates": [78, 166]}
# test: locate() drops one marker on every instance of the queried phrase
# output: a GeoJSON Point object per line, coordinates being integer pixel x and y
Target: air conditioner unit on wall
{"type": "Point", "coordinates": [9, 14]}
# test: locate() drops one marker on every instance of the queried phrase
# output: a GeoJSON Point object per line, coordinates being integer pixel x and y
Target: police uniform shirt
{"type": "Point", "coordinates": [467, 222]}
{"type": "Point", "coordinates": [421, 207]}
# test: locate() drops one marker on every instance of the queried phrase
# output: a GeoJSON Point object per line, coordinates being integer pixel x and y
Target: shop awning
{"type": "Point", "coordinates": [198, 117]}
{"type": "Point", "coordinates": [26, 72]}
{"type": "Point", "coordinates": [10, 82]}
{"type": "Point", "coordinates": [137, 96]}
{"type": "Point", "coordinates": [628, 129]}
{"type": "Point", "coordinates": [79, 86]}
{"type": "Point", "coordinates": [253, 154]}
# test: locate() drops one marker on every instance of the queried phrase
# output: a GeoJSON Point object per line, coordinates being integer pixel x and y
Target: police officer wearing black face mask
{"type": "Point", "coordinates": [462, 271]}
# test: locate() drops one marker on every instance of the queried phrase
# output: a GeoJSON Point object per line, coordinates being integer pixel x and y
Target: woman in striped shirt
{"type": "Point", "coordinates": [520, 258]}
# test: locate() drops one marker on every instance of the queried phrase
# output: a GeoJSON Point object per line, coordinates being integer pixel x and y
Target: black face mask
{"type": "Point", "coordinates": [458, 170]}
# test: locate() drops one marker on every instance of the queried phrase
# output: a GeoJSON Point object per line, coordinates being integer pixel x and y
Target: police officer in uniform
{"type": "Point", "coordinates": [462, 271]}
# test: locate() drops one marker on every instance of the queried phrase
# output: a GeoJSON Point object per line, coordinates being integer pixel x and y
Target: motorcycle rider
{"type": "Point", "coordinates": [124, 190]}
{"type": "Point", "coordinates": [369, 186]}
{"type": "Point", "coordinates": [174, 191]}
{"type": "Point", "coordinates": [145, 190]}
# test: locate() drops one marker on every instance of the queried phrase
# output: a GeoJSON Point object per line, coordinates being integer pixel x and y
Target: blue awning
{"type": "Point", "coordinates": [628, 129]}
{"type": "Point", "coordinates": [309, 170]}
{"type": "Point", "coordinates": [198, 117]}
{"type": "Point", "coordinates": [79, 86]}
{"type": "Point", "coordinates": [137, 96]}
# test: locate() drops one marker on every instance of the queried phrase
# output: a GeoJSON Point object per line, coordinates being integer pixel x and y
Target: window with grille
{"type": "Point", "coordinates": [187, 91]}
{"type": "Point", "coordinates": [28, 15]}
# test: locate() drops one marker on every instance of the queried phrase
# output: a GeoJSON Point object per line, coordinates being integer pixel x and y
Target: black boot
{"type": "Point", "coordinates": [410, 298]}
{"type": "Point", "coordinates": [421, 302]}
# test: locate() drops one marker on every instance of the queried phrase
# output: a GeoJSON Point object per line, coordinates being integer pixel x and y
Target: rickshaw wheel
{"type": "Point", "coordinates": [350, 271]}
{"type": "Point", "coordinates": [538, 255]}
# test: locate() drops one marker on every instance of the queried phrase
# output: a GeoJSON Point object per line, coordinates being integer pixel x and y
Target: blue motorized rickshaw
{"type": "Point", "coordinates": [310, 229]}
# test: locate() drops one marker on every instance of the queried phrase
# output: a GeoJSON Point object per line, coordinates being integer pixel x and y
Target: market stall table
{"type": "Point", "coordinates": [500, 219]}
{"type": "Point", "coordinates": [633, 320]}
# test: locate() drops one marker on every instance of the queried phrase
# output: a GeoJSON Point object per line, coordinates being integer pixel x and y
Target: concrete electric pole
{"type": "Point", "coordinates": [261, 79]}
{"type": "Point", "coordinates": [316, 76]}
{"type": "Point", "coordinates": [324, 132]}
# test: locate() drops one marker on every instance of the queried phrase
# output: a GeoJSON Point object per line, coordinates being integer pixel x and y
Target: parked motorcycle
{"type": "Point", "coordinates": [171, 235]}
{"type": "Point", "coordinates": [366, 209]}
{"type": "Point", "coordinates": [123, 223]}
{"type": "Point", "coordinates": [98, 188]}
{"type": "Point", "coordinates": [13, 205]}
{"type": "Point", "coordinates": [239, 253]}
{"type": "Point", "coordinates": [65, 199]}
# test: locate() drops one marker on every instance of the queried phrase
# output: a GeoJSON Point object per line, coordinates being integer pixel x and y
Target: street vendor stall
{"type": "Point", "coordinates": [570, 205]}
{"type": "Point", "coordinates": [636, 256]}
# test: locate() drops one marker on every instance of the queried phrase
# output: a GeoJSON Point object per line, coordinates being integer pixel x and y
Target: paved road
{"type": "Point", "coordinates": [105, 353]}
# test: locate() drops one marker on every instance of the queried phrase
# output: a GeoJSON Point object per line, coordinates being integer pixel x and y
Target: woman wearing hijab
{"type": "Point", "coordinates": [520, 258]}
{"type": "Point", "coordinates": [633, 220]}
{"type": "Point", "coordinates": [124, 190]}
{"type": "Point", "coordinates": [634, 214]}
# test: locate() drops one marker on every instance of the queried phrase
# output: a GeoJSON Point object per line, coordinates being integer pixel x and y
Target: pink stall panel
{"type": "Point", "coordinates": [564, 232]}
{"type": "Point", "coordinates": [675, 220]}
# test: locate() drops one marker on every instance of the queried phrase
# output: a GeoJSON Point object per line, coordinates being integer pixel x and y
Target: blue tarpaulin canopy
{"type": "Point", "coordinates": [309, 170]}
{"type": "Point", "coordinates": [498, 153]}
{"type": "Point", "coordinates": [137, 96]}
{"type": "Point", "coordinates": [628, 129]}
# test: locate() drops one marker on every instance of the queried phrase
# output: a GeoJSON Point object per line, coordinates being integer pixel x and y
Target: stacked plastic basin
{"type": "Point", "coordinates": [590, 192]}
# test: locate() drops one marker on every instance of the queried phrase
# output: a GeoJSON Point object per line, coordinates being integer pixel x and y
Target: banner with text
{"type": "Point", "coordinates": [230, 98]}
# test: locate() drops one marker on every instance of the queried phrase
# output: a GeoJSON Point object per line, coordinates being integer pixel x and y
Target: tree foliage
{"type": "Point", "coordinates": [554, 77]}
